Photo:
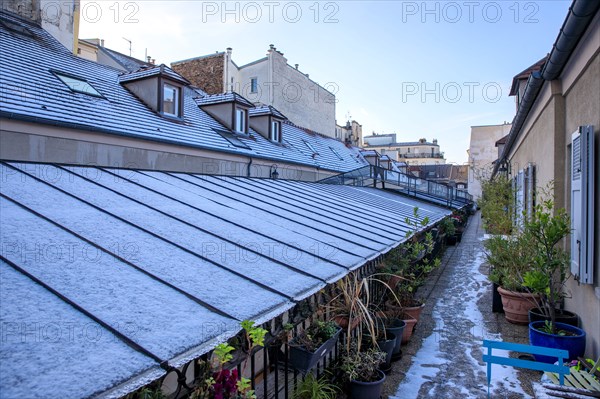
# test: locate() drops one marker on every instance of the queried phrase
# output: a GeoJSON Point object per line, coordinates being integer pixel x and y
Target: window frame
{"type": "Point", "coordinates": [275, 123]}
{"type": "Point", "coordinates": [240, 122]}
{"type": "Point", "coordinates": [177, 106]}
{"type": "Point", "coordinates": [254, 85]}
{"type": "Point", "coordinates": [60, 75]}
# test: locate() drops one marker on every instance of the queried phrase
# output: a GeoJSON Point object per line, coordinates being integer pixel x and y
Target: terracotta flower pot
{"type": "Point", "coordinates": [516, 305]}
{"type": "Point", "coordinates": [414, 311]}
{"type": "Point", "coordinates": [408, 330]}
{"type": "Point", "coordinates": [342, 321]}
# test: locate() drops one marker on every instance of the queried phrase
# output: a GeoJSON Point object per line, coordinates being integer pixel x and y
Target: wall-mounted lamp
{"type": "Point", "coordinates": [273, 172]}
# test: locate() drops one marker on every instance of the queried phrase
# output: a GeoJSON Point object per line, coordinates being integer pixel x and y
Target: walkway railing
{"type": "Point", "coordinates": [414, 186]}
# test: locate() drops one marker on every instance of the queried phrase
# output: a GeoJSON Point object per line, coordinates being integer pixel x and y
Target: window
{"type": "Point", "coordinates": [408, 150]}
{"type": "Point", "coordinates": [337, 154]}
{"type": "Point", "coordinates": [78, 85]}
{"type": "Point", "coordinates": [582, 204]}
{"type": "Point", "coordinates": [240, 120]}
{"type": "Point", "coordinates": [276, 131]}
{"type": "Point", "coordinates": [170, 100]}
{"type": "Point", "coordinates": [231, 138]}
{"type": "Point", "coordinates": [253, 85]}
{"type": "Point", "coordinates": [310, 147]}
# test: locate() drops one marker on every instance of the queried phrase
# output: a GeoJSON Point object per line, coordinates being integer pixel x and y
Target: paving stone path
{"type": "Point", "coordinates": [443, 359]}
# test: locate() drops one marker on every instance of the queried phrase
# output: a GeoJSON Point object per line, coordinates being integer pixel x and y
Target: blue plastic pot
{"type": "Point", "coordinates": [575, 344]}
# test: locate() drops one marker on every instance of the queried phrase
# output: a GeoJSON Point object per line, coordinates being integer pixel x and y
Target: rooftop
{"type": "Point", "coordinates": [182, 250]}
{"type": "Point", "coordinates": [32, 93]}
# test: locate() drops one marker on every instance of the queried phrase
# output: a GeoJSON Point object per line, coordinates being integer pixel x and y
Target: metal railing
{"type": "Point", "coordinates": [415, 186]}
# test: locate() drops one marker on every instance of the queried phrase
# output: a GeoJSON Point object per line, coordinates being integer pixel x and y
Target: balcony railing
{"type": "Point", "coordinates": [423, 155]}
{"type": "Point", "coordinates": [414, 186]}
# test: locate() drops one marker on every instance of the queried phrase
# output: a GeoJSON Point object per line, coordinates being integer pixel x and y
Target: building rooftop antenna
{"type": "Point", "coordinates": [128, 41]}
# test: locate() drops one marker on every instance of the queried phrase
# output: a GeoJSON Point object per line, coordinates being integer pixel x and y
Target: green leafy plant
{"type": "Point", "coordinates": [510, 259]}
{"type": "Point", "coordinates": [362, 365]}
{"type": "Point", "coordinates": [221, 383]}
{"type": "Point", "coordinates": [312, 387]}
{"type": "Point", "coordinates": [148, 393]}
{"type": "Point", "coordinates": [316, 334]}
{"type": "Point", "coordinates": [447, 227]}
{"type": "Point", "coordinates": [497, 205]}
{"type": "Point", "coordinates": [546, 228]}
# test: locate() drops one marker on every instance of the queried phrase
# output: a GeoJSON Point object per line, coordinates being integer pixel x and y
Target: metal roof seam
{"type": "Point", "coordinates": [300, 214]}
{"type": "Point", "coordinates": [128, 341]}
{"type": "Point", "coordinates": [273, 213]}
{"type": "Point", "coordinates": [203, 230]}
{"type": "Point", "coordinates": [239, 225]}
{"type": "Point", "coordinates": [169, 241]}
{"type": "Point", "coordinates": [328, 214]}
{"type": "Point", "coordinates": [294, 192]}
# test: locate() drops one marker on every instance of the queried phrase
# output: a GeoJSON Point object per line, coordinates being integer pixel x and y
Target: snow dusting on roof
{"type": "Point", "coordinates": [171, 261]}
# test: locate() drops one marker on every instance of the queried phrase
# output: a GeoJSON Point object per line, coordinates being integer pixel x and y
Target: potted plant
{"type": "Point", "coordinates": [396, 326]}
{"type": "Point", "coordinates": [312, 344]}
{"type": "Point", "coordinates": [385, 341]}
{"type": "Point", "coordinates": [219, 382]}
{"type": "Point", "coordinates": [510, 258]}
{"type": "Point", "coordinates": [361, 370]}
{"type": "Point", "coordinates": [497, 205]}
{"type": "Point", "coordinates": [312, 387]}
{"type": "Point", "coordinates": [547, 278]}
{"type": "Point", "coordinates": [448, 230]}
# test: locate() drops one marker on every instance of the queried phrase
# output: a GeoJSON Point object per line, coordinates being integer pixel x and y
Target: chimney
{"type": "Point", "coordinates": [229, 50]}
{"type": "Point", "coordinates": [153, 61]}
{"type": "Point", "coordinates": [101, 42]}
{"type": "Point", "coordinates": [434, 141]}
{"type": "Point", "coordinates": [296, 65]}
{"type": "Point", "coordinates": [149, 58]}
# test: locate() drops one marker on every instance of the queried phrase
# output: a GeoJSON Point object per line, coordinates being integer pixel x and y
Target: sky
{"type": "Point", "coordinates": [420, 69]}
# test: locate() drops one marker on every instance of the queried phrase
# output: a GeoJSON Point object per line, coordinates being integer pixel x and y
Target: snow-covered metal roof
{"type": "Point", "coordinates": [146, 72]}
{"type": "Point", "coordinates": [219, 98]}
{"type": "Point", "coordinates": [108, 273]}
{"type": "Point", "coordinates": [31, 92]}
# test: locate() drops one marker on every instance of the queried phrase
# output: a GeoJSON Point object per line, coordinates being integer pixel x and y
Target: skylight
{"type": "Point", "coordinates": [78, 85]}
{"type": "Point", "coordinates": [16, 27]}
{"type": "Point", "coordinates": [337, 154]}
{"type": "Point", "coordinates": [231, 138]}
{"type": "Point", "coordinates": [310, 147]}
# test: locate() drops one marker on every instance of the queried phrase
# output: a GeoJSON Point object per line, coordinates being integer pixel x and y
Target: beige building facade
{"type": "Point", "coordinates": [421, 152]}
{"type": "Point", "coordinates": [483, 153]}
{"type": "Point", "coordinates": [555, 134]}
{"type": "Point", "coordinates": [270, 81]}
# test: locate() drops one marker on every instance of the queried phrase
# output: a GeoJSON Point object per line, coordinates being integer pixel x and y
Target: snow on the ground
{"type": "Point", "coordinates": [449, 364]}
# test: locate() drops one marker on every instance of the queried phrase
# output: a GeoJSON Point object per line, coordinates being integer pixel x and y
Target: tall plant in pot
{"type": "Point", "coordinates": [497, 205]}
{"type": "Point", "coordinates": [547, 228]}
{"type": "Point", "coordinates": [510, 258]}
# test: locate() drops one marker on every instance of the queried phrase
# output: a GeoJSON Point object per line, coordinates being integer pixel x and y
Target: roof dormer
{"type": "Point", "coordinates": [230, 109]}
{"type": "Point", "coordinates": [267, 121]}
{"type": "Point", "coordinates": [159, 88]}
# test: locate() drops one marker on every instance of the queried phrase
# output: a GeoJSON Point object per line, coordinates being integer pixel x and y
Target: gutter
{"type": "Point", "coordinates": [69, 125]}
{"type": "Point", "coordinates": [581, 13]}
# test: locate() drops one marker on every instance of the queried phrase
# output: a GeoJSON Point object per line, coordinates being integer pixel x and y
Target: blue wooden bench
{"type": "Point", "coordinates": [490, 359]}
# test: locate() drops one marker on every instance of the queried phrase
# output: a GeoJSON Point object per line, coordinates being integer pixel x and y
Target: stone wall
{"type": "Point", "coordinates": [203, 72]}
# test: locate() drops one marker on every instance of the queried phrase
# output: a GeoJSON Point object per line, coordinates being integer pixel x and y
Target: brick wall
{"type": "Point", "coordinates": [205, 73]}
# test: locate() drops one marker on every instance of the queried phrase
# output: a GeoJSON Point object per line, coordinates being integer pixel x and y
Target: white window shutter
{"type": "Point", "coordinates": [582, 204]}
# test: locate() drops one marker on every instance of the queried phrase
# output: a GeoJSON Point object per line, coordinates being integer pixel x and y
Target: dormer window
{"type": "Point", "coordinates": [276, 131]}
{"type": "Point", "coordinates": [240, 120]}
{"type": "Point", "coordinates": [171, 103]}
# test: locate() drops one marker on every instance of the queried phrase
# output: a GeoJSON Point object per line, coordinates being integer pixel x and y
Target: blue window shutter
{"type": "Point", "coordinates": [588, 182]}
{"type": "Point", "coordinates": [576, 202]}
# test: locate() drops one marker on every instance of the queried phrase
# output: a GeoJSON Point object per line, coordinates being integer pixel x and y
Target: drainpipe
{"type": "Point", "coordinates": [248, 170]}
{"type": "Point", "coordinates": [581, 14]}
